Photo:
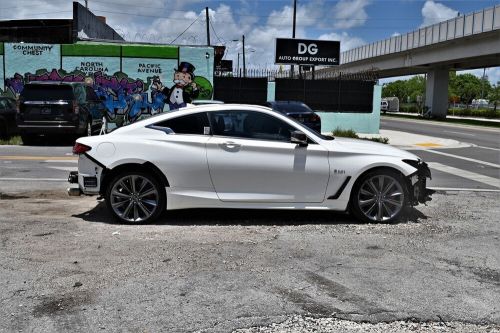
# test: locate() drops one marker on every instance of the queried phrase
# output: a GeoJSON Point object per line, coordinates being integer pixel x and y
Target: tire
{"type": "Point", "coordinates": [135, 197]}
{"type": "Point", "coordinates": [379, 196]}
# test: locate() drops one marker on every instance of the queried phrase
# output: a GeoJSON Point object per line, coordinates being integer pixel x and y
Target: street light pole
{"type": "Point", "coordinates": [244, 65]}
{"type": "Point", "coordinates": [238, 66]}
{"type": "Point", "coordinates": [293, 29]}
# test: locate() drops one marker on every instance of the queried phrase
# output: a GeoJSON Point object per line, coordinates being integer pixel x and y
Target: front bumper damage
{"type": "Point", "coordinates": [417, 184]}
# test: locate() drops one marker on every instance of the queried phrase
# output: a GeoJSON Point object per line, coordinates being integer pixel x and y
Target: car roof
{"type": "Point", "coordinates": [194, 109]}
{"type": "Point", "coordinates": [286, 102]}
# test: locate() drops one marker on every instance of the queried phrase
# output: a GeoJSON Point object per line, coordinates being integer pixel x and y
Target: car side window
{"type": "Point", "coordinates": [79, 94]}
{"type": "Point", "coordinates": [189, 124]}
{"type": "Point", "coordinates": [250, 124]}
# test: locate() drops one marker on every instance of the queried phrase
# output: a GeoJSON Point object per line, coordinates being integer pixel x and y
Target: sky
{"type": "Point", "coordinates": [182, 22]}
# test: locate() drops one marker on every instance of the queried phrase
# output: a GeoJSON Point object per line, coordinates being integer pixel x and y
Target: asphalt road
{"type": "Point", "coordinates": [480, 136]}
{"type": "Point", "coordinates": [474, 167]}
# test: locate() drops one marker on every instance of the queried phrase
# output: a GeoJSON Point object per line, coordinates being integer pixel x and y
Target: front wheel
{"type": "Point", "coordinates": [135, 197]}
{"type": "Point", "coordinates": [379, 196]}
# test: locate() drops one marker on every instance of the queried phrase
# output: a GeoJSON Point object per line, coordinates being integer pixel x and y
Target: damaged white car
{"type": "Point", "coordinates": [243, 156]}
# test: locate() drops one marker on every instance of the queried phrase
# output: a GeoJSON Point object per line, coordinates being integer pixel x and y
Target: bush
{"type": "Point", "coordinates": [345, 133]}
{"type": "Point", "coordinates": [481, 113]}
{"type": "Point", "coordinates": [408, 108]}
{"type": "Point", "coordinates": [351, 134]}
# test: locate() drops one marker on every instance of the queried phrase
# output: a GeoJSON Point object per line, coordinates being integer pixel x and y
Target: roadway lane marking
{"type": "Point", "coordinates": [465, 174]}
{"type": "Point", "coordinates": [468, 134]}
{"type": "Point", "coordinates": [38, 158]}
{"type": "Point", "coordinates": [34, 179]}
{"type": "Point", "coordinates": [428, 144]}
{"type": "Point", "coordinates": [464, 158]}
{"type": "Point", "coordinates": [462, 189]}
{"type": "Point", "coordinates": [63, 168]}
{"type": "Point", "coordinates": [482, 147]}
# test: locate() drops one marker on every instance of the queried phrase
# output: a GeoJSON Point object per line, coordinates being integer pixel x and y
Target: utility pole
{"type": "Point", "coordinates": [244, 65]}
{"type": "Point", "coordinates": [208, 24]}
{"type": "Point", "coordinates": [293, 28]}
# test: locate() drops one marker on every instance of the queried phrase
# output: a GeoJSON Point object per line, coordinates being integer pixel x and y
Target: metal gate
{"type": "Point", "coordinates": [334, 95]}
{"type": "Point", "coordinates": [240, 90]}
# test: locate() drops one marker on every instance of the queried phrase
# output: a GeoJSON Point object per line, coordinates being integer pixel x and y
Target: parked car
{"type": "Point", "coordinates": [299, 111]}
{"type": "Point", "coordinates": [65, 109]}
{"type": "Point", "coordinates": [389, 104]}
{"type": "Point", "coordinates": [243, 156]}
{"type": "Point", "coordinates": [7, 117]}
{"type": "Point", "coordinates": [206, 101]}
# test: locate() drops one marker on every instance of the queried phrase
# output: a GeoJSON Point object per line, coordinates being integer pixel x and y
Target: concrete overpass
{"type": "Point", "coordinates": [465, 42]}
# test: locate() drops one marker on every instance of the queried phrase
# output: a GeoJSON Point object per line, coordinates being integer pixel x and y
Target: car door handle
{"type": "Point", "coordinates": [231, 145]}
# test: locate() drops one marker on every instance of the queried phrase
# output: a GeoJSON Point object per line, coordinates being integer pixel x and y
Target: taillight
{"type": "Point", "coordinates": [76, 108]}
{"type": "Point", "coordinates": [79, 148]}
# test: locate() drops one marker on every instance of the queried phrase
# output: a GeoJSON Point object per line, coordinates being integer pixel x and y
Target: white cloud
{"type": "Point", "coordinates": [433, 12]}
{"type": "Point", "coordinates": [347, 42]}
{"type": "Point", "coordinates": [156, 21]}
{"type": "Point", "coordinates": [350, 13]}
{"type": "Point", "coordinates": [493, 73]}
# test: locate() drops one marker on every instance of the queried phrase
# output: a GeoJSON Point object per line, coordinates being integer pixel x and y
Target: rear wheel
{"type": "Point", "coordinates": [379, 196]}
{"type": "Point", "coordinates": [135, 197]}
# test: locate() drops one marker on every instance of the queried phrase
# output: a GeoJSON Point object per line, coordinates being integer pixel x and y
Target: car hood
{"type": "Point", "coordinates": [357, 146]}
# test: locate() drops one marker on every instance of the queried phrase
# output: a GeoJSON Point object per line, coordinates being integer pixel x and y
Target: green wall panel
{"type": "Point", "coordinates": [87, 49]}
{"type": "Point", "coordinates": [149, 51]}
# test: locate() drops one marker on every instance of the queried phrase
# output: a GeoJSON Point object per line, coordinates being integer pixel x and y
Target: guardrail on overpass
{"type": "Point", "coordinates": [462, 26]}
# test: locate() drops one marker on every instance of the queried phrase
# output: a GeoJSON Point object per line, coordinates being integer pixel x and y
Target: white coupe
{"type": "Point", "coordinates": [243, 156]}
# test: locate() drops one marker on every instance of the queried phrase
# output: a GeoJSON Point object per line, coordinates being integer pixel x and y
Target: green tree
{"type": "Point", "coordinates": [403, 89]}
{"type": "Point", "coordinates": [468, 87]}
{"type": "Point", "coordinates": [494, 95]}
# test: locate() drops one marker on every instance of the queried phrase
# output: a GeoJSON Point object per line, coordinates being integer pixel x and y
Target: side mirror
{"type": "Point", "coordinates": [299, 138]}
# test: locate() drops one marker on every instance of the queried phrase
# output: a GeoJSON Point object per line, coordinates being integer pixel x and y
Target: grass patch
{"type": "Point", "coordinates": [345, 133]}
{"type": "Point", "coordinates": [351, 134]}
{"type": "Point", "coordinates": [474, 122]}
{"type": "Point", "coordinates": [14, 140]}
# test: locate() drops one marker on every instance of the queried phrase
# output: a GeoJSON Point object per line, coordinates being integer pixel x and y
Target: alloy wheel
{"type": "Point", "coordinates": [380, 198]}
{"type": "Point", "coordinates": [134, 198]}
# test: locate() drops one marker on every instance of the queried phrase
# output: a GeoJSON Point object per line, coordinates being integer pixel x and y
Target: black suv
{"type": "Point", "coordinates": [299, 111]}
{"type": "Point", "coordinates": [69, 109]}
{"type": "Point", "coordinates": [7, 117]}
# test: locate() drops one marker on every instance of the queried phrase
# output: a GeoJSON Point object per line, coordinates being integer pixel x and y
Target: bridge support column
{"type": "Point", "coordinates": [436, 92]}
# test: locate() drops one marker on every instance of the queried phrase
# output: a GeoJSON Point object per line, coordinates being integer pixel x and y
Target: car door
{"type": "Point", "coordinates": [182, 154]}
{"type": "Point", "coordinates": [251, 159]}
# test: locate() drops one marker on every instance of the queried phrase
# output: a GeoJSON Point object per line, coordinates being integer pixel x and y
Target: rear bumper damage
{"type": "Point", "coordinates": [417, 185]}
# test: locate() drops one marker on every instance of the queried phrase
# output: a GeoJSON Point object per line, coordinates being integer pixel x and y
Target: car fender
{"type": "Point", "coordinates": [117, 163]}
{"type": "Point", "coordinates": [339, 166]}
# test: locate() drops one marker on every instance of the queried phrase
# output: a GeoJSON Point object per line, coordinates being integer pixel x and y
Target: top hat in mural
{"type": "Point", "coordinates": [186, 67]}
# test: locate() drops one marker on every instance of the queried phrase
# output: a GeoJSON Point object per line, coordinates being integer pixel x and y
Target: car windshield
{"type": "Point", "coordinates": [47, 92]}
{"type": "Point", "coordinates": [291, 107]}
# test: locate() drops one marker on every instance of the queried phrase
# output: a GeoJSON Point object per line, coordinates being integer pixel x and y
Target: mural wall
{"type": "Point", "coordinates": [134, 81]}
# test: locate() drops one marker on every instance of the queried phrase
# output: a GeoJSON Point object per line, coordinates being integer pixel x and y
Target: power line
{"type": "Point", "coordinates": [215, 33]}
{"type": "Point", "coordinates": [182, 33]}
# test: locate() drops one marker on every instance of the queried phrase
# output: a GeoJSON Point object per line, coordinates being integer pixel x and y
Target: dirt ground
{"type": "Point", "coordinates": [65, 265]}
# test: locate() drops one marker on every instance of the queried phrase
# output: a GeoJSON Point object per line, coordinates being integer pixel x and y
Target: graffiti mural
{"type": "Point", "coordinates": [130, 80]}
